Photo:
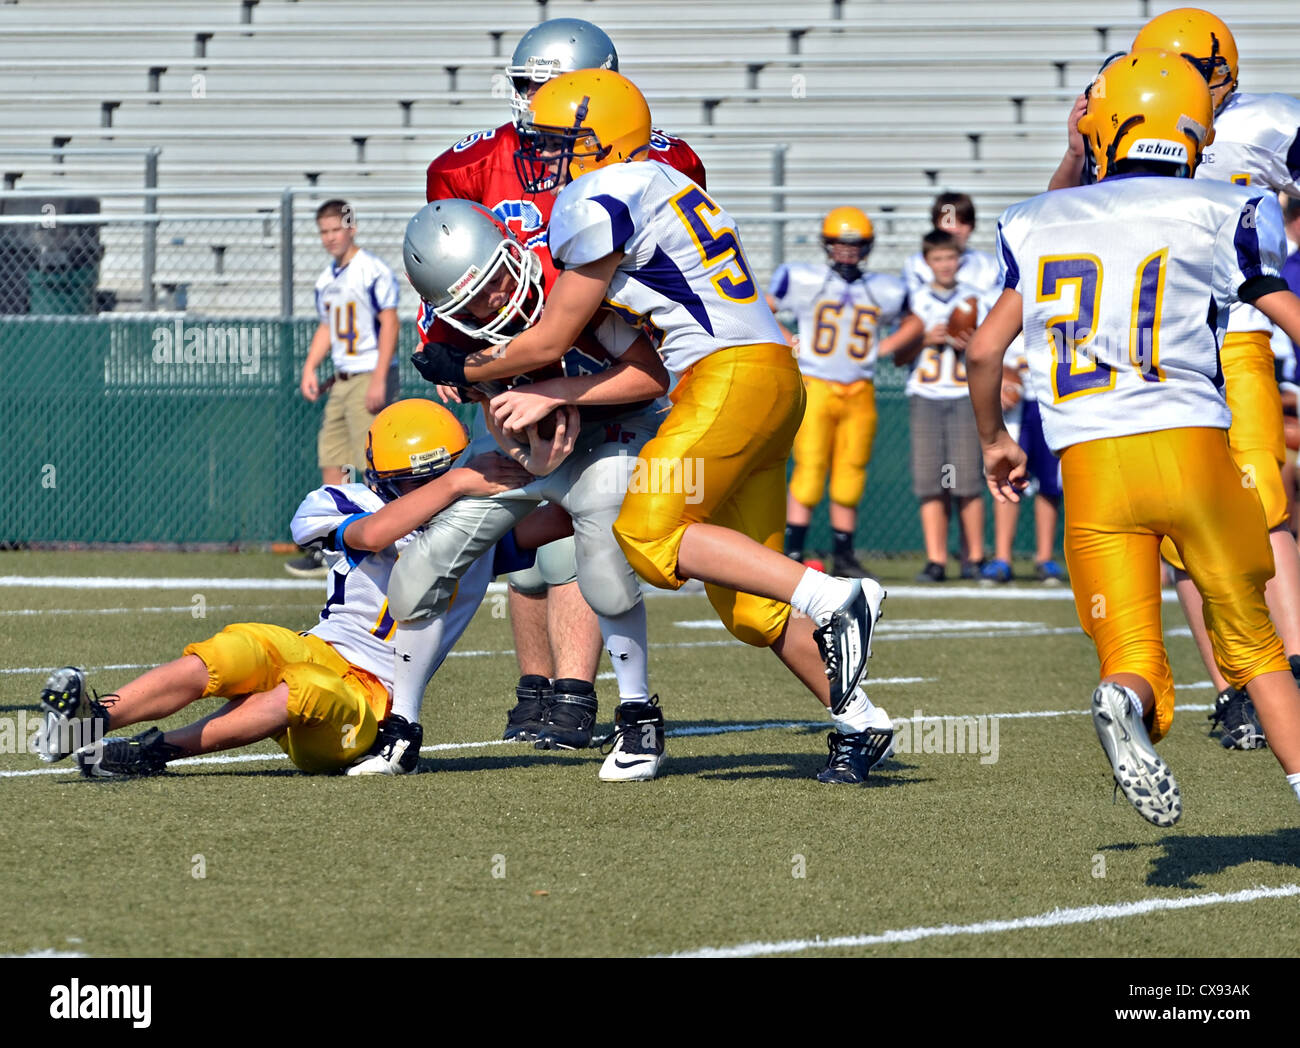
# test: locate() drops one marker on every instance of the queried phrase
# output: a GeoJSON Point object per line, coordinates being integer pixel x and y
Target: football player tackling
{"type": "Point", "coordinates": [645, 241]}
{"type": "Point", "coordinates": [1125, 371]}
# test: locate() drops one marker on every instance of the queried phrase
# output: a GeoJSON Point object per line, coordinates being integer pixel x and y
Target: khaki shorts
{"type": "Point", "coordinates": [342, 437]}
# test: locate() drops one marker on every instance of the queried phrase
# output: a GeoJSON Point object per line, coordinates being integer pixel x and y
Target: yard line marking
{"type": "Point", "coordinates": [1052, 919]}
{"type": "Point", "coordinates": [718, 729]}
{"type": "Point", "coordinates": [132, 611]}
{"type": "Point", "coordinates": [49, 951]}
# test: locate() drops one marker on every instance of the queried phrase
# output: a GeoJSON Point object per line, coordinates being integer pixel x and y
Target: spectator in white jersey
{"type": "Point", "coordinates": [356, 300]}
{"type": "Point", "coordinates": [954, 214]}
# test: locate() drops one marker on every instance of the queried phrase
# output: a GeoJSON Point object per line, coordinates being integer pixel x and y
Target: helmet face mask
{"type": "Point", "coordinates": [847, 236]}
{"type": "Point", "coordinates": [410, 443]}
{"type": "Point", "coordinates": [457, 252]}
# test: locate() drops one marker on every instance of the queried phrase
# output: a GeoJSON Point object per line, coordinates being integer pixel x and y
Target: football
{"type": "Point", "coordinates": [964, 316]}
{"type": "Point", "coordinates": [546, 425]}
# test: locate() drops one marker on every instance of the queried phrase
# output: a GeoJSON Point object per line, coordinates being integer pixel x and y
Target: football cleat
{"type": "Point", "coordinates": [311, 565]}
{"type": "Point", "coordinates": [145, 754]}
{"type": "Point", "coordinates": [1139, 772]}
{"type": "Point", "coordinates": [1235, 713]}
{"type": "Point", "coordinates": [636, 746]}
{"type": "Point", "coordinates": [972, 569]}
{"type": "Point", "coordinates": [73, 720]}
{"type": "Point", "coordinates": [395, 751]}
{"type": "Point", "coordinates": [845, 640]}
{"type": "Point", "coordinates": [852, 756]}
{"type": "Point", "coordinates": [569, 720]}
{"type": "Point", "coordinates": [535, 695]}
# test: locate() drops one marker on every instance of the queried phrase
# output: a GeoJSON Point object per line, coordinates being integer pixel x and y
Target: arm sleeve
{"type": "Point", "coordinates": [1250, 245]}
{"type": "Point", "coordinates": [321, 513]}
{"type": "Point", "coordinates": [589, 228]}
{"type": "Point", "coordinates": [1008, 267]}
{"type": "Point", "coordinates": [1284, 161]}
{"type": "Point", "coordinates": [780, 286]}
{"type": "Point", "coordinates": [615, 334]}
{"type": "Point", "coordinates": [384, 290]}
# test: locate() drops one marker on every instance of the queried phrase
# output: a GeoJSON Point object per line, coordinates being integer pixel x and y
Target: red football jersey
{"type": "Point", "coordinates": [481, 167]}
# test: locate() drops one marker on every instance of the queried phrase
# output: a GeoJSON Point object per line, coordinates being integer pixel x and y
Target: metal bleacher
{"type": "Point", "coordinates": [794, 108]}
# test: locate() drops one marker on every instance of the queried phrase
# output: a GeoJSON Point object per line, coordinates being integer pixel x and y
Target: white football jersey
{"type": "Point", "coordinates": [355, 620]}
{"type": "Point", "coordinates": [978, 269]}
{"type": "Point", "coordinates": [839, 322]}
{"type": "Point", "coordinates": [683, 271]}
{"type": "Point", "coordinates": [1256, 143]}
{"type": "Point", "coordinates": [1126, 286]}
{"type": "Point", "coordinates": [939, 372]}
{"type": "Point", "coordinates": [350, 300]}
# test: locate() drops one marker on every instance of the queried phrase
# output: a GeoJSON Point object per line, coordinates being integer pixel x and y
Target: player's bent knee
{"type": "Point", "coordinates": [527, 581]}
{"type": "Point", "coordinates": [557, 562]}
{"type": "Point", "coordinates": [652, 556]}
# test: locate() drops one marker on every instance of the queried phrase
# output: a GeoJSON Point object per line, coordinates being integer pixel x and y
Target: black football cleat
{"type": "Point", "coordinates": [569, 720]}
{"type": "Point", "coordinates": [534, 696]}
{"type": "Point", "coordinates": [636, 748]}
{"type": "Point", "coordinates": [852, 756]}
{"type": "Point", "coordinates": [145, 754]}
{"type": "Point", "coordinates": [1235, 713]}
{"type": "Point", "coordinates": [395, 751]}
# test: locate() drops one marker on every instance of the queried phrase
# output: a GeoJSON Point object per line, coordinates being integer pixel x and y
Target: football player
{"type": "Point", "coordinates": [840, 310]}
{"type": "Point", "coordinates": [1256, 143]}
{"type": "Point", "coordinates": [483, 284]}
{"type": "Point", "coordinates": [481, 167]}
{"type": "Point", "coordinates": [323, 695]}
{"type": "Point", "coordinates": [1126, 376]}
{"type": "Point", "coordinates": [708, 498]}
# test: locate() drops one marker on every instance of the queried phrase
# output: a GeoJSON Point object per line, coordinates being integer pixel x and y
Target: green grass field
{"type": "Point", "coordinates": [497, 849]}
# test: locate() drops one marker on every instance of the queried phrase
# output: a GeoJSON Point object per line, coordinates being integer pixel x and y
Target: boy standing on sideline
{"type": "Point", "coordinates": [945, 445]}
{"type": "Point", "coordinates": [356, 300]}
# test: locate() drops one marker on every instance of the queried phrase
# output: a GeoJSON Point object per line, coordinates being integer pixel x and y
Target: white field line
{"type": "Point", "coordinates": [142, 611]}
{"type": "Point", "coordinates": [1052, 919]}
{"type": "Point", "coordinates": [719, 729]}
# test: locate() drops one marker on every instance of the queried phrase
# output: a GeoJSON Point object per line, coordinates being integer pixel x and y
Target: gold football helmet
{"type": "Point", "coordinates": [1202, 39]}
{"type": "Point", "coordinates": [411, 440]}
{"type": "Point", "coordinates": [1148, 105]}
{"type": "Point", "coordinates": [580, 122]}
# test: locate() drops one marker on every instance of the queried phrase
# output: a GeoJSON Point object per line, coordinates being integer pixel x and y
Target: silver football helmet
{"type": "Point", "coordinates": [560, 45]}
{"type": "Point", "coordinates": [453, 250]}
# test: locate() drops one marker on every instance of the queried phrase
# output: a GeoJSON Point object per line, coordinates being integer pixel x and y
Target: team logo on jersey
{"type": "Point", "coordinates": [527, 217]}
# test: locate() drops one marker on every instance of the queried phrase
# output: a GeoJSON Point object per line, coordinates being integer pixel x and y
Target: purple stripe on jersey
{"type": "Point", "coordinates": [342, 502]}
{"type": "Point", "coordinates": [620, 220]}
{"type": "Point", "coordinates": [1293, 157]}
{"type": "Point", "coordinates": [782, 284]}
{"type": "Point", "coordinates": [662, 275]}
{"type": "Point", "coordinates": [374, 304]}
{"type": "Point", "coordinates": [1013, 271]}
{"type": "Point", "coordinates": [1246, 241]}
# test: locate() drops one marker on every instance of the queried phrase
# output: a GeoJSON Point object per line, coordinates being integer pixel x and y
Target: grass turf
{"type": "Point", "coordinates": [505, 850]}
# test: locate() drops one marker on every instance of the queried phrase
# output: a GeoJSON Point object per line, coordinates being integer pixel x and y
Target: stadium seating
{"type": "Point", "coordinates": [793, 108]}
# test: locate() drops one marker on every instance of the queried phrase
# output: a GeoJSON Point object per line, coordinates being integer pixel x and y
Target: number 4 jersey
{"type": "Point", "coordinates": [349, 300]}
{"type": "Point", "coordinates": [1126, 286]}
{"type": "Point", "coordinates": [839, 321]}
{"type": "Point", "coordinates": [683, 270]}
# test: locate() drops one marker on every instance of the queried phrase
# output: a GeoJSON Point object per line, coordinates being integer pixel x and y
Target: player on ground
{"type": "Point", "coordinates": [647, 242]}
{"type": "Point", "coordinates": [840, 310]}
{"type": "Point", "coordinates": [481, 167]}
{"type": "Point", "coordinates": [323, 695]}
{"type": "Point", "coordinates": [1125, 371]}
{"type": "Point", "coordinates": [1256, 143]}
{"type": "Point", "coordinates": [480, 281]}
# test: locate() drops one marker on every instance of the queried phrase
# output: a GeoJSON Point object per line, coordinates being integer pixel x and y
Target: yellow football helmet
{"type": "Point", "coordinates": [581, 121]}
{"type": "Point", "coordinates": [411, 440]}
{"type": "Point", "coordinates": [1199, 37]}
{"type": "Point", "coordinates": [1148, 105]}
{"type": "Point", "coordinates": [848, 225]}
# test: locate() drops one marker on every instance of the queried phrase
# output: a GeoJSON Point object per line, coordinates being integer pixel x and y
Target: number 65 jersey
{"type": "Point", "coordinates": [1126, 286]}
{"type": "Point", "coordinates": [683, 272]}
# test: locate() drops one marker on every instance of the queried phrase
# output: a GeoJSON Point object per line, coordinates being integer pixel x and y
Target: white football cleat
{"type": "Point", "coordinates": [845, 640]}
{"type": "Point", "coordinates": [638, 742]}
{"type": "Point", "coordinates": [396, 749]}
{"type": "Point", "coordinates": [1139, 772]}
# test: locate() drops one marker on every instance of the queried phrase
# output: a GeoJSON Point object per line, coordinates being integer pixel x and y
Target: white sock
{"type": "Point", "coordinates": [625, 640]}
{"type": "Point", "coordinates": [416, 645]}
{"type": "Point", "coordinates": [861, 714]}
{"type": "Point", "coordinates": [819, 594]}
{"type": "Point", "coordinates": [1294, 780]}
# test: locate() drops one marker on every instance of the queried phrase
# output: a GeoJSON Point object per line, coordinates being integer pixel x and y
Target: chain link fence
{"type": "Point", "coordinates": [152, 346]}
